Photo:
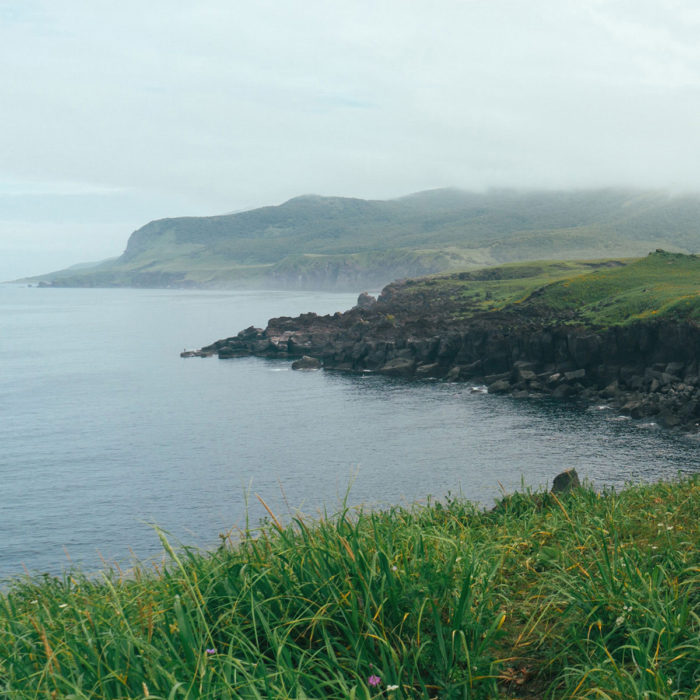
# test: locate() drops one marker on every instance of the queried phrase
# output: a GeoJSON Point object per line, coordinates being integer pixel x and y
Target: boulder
{"type": "Point", "coordinates": [430, 370]}
{"type": "Point", "coordinates": [669, 419]}
{"type": "Point", "coordinates": [566, 481]}
{"type": "Point", "coordinates": [611, 390]}
{"type": "Point", "coordinates": [634, 408]}
{"type": "Point", "coordinates": [675, 368]}
{"type": "Point", "coordinates": [525, 375]}
{"type": "Point", "coordinates": [365, 300]}
{"type": "Point", "coordinates": [501, 386]}
{"type": "Point", "coordinates": [398, 367]}
{"type": "Point", "coordinates": [563, 391]}
{"type": "Point", "coordinates": [306, 362]}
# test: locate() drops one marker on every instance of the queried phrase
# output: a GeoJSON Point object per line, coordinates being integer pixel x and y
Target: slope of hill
{"type": "Point", "coordinates": [342, 243]}
{"type": "Point", "coordinates": [591, 293]}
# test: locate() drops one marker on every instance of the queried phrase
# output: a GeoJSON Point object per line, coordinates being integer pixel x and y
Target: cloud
{"type": "Point", "coordinates": [215, 106]}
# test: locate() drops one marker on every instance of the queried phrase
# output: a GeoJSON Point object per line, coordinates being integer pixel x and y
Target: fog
{"type": "Point", "coordinates": [115, 114]}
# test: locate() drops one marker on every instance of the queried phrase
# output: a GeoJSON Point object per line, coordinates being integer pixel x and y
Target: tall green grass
{"type": "Point", "coordinates": [585, 596]}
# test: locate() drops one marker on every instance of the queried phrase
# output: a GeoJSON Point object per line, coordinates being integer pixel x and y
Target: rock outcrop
{"type": "Point", "coordinates": [645, 369]}
{"type": "Point", "coordinates": [306, 363]}
{"type": "Point", "coordinates": [566, 481]}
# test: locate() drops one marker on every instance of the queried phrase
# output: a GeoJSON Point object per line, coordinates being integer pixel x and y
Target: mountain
{"type": "Point", "coordinates": [314, 242]}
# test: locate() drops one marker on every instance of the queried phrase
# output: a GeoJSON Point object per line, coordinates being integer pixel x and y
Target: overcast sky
{"type": "Point", "coordinates": [116, 113]}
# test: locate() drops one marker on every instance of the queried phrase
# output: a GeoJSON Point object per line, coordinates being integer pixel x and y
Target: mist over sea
{"type": "Point", "coordinates": [105, 430]}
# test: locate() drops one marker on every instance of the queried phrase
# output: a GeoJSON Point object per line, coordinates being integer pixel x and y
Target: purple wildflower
{"type": "Point", "coordinates": [374, 680]}
{"type": "Point", "coordinates": [210, 651]}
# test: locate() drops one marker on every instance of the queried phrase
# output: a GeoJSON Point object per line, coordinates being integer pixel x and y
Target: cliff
{"type": "Point", "coordinates": [625, 332]}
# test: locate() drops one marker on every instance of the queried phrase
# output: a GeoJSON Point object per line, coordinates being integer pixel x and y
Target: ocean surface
{"type": "Point", "coordinates": [105, 432]}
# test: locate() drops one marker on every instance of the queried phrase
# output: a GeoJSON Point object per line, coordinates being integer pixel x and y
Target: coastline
{"type": "Point", "coordinates": [645, 369]}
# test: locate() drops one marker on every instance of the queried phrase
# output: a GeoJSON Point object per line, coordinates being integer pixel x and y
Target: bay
{"type": "Point", "coordinates": [106, 431]}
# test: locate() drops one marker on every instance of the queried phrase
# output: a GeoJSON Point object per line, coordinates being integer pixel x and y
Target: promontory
{"type": "Point", "coordinates": [621, 331]}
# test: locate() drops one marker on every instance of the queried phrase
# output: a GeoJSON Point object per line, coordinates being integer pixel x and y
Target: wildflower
{"type": "Point", "coordinates": [391, 688]}
{"type": "Point", "coordinates": [210, 652]}
{"type": "Point", "coordinates": [394, 568]}
{"type": "Point", "coordinates": [374, 680]}
{"type": "Point", "coordinates": [620, 620]}
{"type": "Point", "coordinates": [669, 681]}
{"type": "Point", "coordinates": [669, 527]}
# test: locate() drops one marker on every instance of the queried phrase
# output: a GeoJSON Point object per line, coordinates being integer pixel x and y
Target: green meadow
{"type": "Point", "coordinates": [584, 595]}
{"type": "Point", "coordinates": [596, 292]}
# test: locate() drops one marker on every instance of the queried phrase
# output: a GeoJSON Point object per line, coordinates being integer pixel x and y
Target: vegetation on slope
{"type": "Point", "coordinates": [584, 595]}
{"type": "Point", "coordinates": [336, 242]}
{"type": "Point", "coordinates": [597, 293]}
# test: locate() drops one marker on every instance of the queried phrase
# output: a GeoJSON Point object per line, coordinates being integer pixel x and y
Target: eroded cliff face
{"type": "Point", "coordinates": [643, 369]}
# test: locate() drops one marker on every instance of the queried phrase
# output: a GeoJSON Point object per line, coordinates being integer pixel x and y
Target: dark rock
{"type": "Point", "coordinates": [675, 368]}
{"type": "Point", "coordinates": [453, 375]}
{"type": "Point", "coordinates": [365, 300]}
{"type": "Point", "coordinates": [634, 408]}
{"type": "Point", "coordinates": [194, 353]}
{"type": "Point", "coordinates": [501, 386]}
{"type": "Point", "coordinates": [227, 352]}
{"type": "Point", "coordinates": [563, 391]}
{"type": "Point", "coordinates": [611, 390]}
{"type": "Point", "coordinates": [635, 382]}
{"type": "Point", "coordinates": [306, 362]}
{"type": "Point", "coordinates": [566, 481]}
{"type": "Point", "coordinates": [430, 370]}
{"type": "Point", "coordinates": [575, 374]}
{"type": "Point", "coordinates": [491, 378]}
{"type": "Point", "coordinates": [339, 366]}
{"type": "Point", "coordinates": [398, 367]}
{"type": "Point", "coordinates": [250, 332]}
{"type": "Point", "coordinates": [472, 369]}
{"type": "Point", "coordinates": [669, 419]}
{"type": "Point", "coordinates": [665, 379]}
{"type": "Point", "coordinates": [525, 375]}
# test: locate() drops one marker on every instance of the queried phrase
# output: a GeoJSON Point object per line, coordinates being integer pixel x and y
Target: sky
{"type": "Point", "coordinates": [114, 114]}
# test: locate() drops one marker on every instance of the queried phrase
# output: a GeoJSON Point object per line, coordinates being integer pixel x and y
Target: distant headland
{"type": "Point", "coordinates": [344, 244]}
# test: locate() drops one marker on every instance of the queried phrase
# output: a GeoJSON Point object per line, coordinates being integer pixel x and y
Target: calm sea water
{"type": "Point", "coordinates": [105, 430]}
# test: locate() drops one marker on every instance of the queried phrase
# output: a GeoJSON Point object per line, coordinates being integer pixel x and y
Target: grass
{"type": "Point", "coordinates": [590, 595]}
{"type": "Point", "coordinates": [596, 292]}
{"type": "Point", "coordinates": [496, 288]}
{"type": "Point", "coordinates": [662, 285]}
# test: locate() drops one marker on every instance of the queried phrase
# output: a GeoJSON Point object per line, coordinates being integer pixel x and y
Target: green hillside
{"type": "Point", "coordinates": [342, 243]}
{"type": "Point", "coordinates": [594, 292]}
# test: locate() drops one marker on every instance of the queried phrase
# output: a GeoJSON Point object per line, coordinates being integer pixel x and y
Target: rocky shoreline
{"type": "Point", "coordinates": [646, 370]}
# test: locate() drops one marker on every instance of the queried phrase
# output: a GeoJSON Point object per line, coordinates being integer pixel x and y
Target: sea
{"type": "Point", "coordinates": [109, 439]}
